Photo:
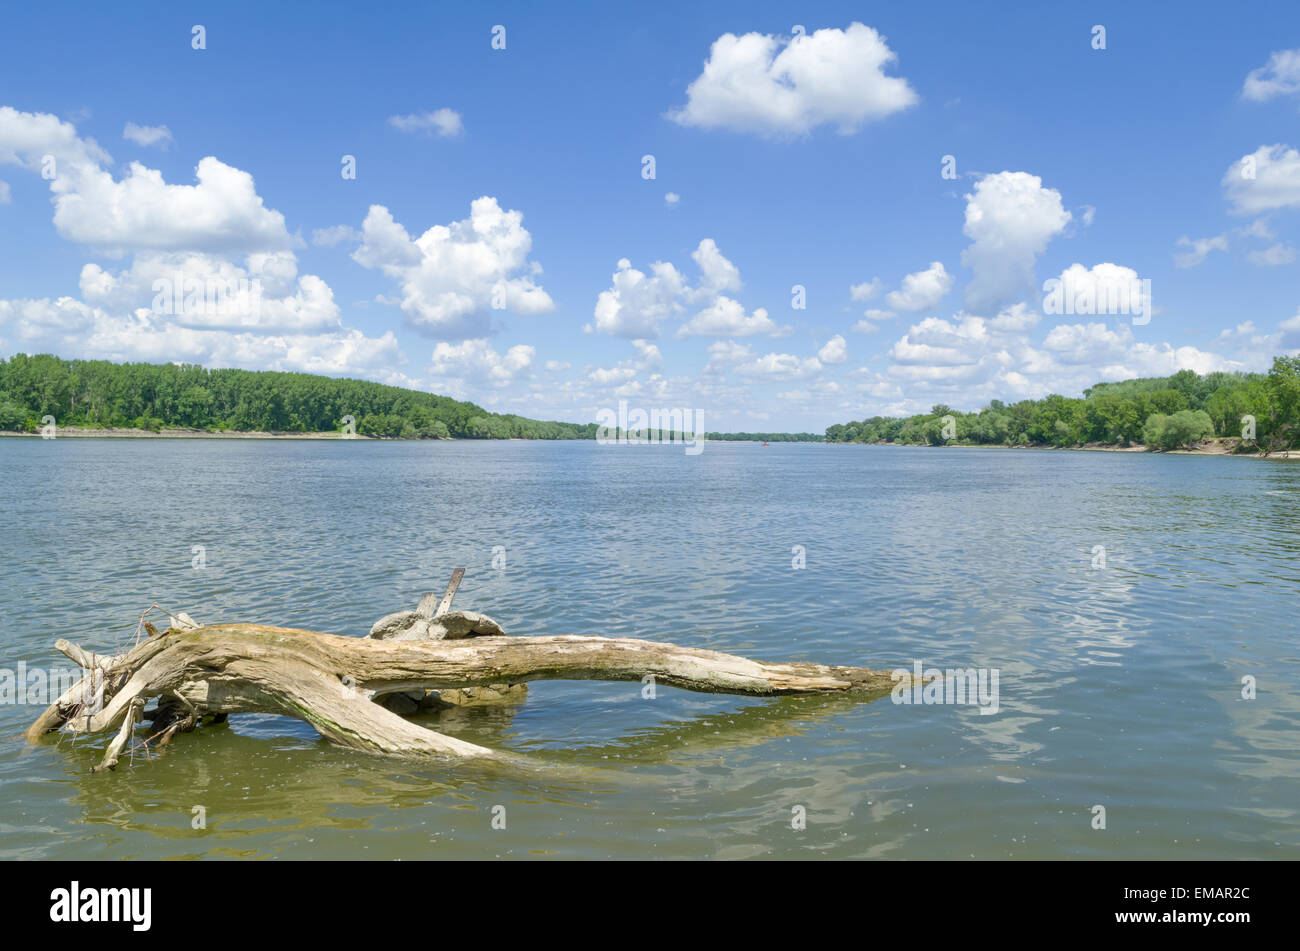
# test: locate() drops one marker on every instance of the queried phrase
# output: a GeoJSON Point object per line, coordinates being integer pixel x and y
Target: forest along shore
{"type": "Point", "coordinates": [110, 433]}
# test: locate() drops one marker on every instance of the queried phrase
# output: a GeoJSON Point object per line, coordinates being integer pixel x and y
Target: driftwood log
{"type": "Point", "coordinates": [339, 684]}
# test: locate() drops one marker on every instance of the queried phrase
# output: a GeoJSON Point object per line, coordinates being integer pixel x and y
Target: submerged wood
{"type": "Point", "coordinates": [332, 682]}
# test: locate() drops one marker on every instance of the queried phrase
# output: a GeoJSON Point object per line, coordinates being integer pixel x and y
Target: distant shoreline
{"type": "Point", "coordinates": [84, 432]}
{"type": "Point", "coordinates": [1214, 447]}
{"type": "Point", "coordinates": [76, 432]}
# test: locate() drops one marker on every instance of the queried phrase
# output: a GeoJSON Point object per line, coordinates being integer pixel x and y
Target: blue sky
{"type": "Point", "coordinates": [812, 160]}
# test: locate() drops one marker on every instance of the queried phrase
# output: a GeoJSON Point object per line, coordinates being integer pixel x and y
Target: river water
{"type": "Point", "coordinates": [1126, 601]}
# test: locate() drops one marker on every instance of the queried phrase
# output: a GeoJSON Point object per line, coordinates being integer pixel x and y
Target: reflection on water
{"type": "Point", "coordinates": [1120, 685]}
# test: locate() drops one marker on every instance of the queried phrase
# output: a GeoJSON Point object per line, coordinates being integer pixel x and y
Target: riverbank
{"type": "Point", "coordinates": [1209, 447]}
{"type": "Point", "coordinates": [81, 432]}
{"type": "Point", "coordinates": [76, 432]}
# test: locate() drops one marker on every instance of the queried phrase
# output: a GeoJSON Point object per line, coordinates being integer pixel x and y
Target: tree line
{"type": "Point", "coordinates": [1262, 409]}
{"type": "Point", "coordinates": [101, 394]}
{"type": "Point", "coordinates": [766, 437]}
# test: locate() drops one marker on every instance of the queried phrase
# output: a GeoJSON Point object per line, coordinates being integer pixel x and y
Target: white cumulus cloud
{"type": "Point", "coordinates": [922, 290]}
{"type": "Point", "coordinates": [1266, 180]}
{"type": "Point", "coordinates": [1105, 288]}
{"type": "Point", "coordinates": [453, 276]}
{"type": "Point", "coordinates": [835, 351]}
{"type": "Point", "coordinates": [1010, 218]}
{"type": "Point", "coordinates": [865, 291]}
{"type": "Point", "coordinates": [725, 317]}
{"type": "Point", "coordinates": [779, 366]}
{"type": "Point", "coordinates": [777, 86]}
{"type": "Point", "coordinates": [221, 212]}
{"type": "Point", "coordinates": [636, 303]}
{"type": "Point", "coordinates": [477, 361]}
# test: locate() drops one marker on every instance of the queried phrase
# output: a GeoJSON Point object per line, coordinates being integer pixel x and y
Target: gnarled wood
{"type": "Point", "coordinates": [331, 681]}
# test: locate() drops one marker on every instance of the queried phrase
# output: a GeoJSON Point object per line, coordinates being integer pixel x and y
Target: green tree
{"type": "Point", "coordinates": [13, 418]}
{"type": "Point", "coordinates": [1184, 428]}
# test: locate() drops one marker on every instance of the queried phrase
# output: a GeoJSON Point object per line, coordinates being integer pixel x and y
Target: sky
{"type": "Point", "coordinates": [782, 216]}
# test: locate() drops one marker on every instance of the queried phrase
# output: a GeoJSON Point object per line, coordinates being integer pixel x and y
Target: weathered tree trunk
{"type": "Point", "coordinates": [331, 682]}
